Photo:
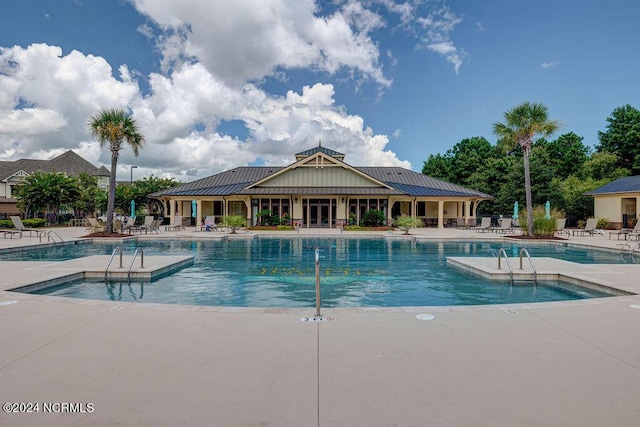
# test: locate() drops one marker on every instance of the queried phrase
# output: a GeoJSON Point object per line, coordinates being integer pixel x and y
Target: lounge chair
{"type": "Point", "coordinates": [590, 228]}
{"type": "Point", "coordinates": [460, 223]}
{"type": "Point", "coordinates": [153, 227]}
{"type": "Point", "coordinates": [209, 224]}
{"type": "Point", "coordinates": [130, 226]}
{"type": "Point", "coordinates": [175, 225]}
{"type": "Point", "coordinates": [94, 225]}
{"type": "Point", "coordinates": [10, 232]}
{"type": "Point", "coordinates": [19, 226]}
{"type": "Point", "coordinates": [485, 225]}
{"type": "Point", "coordinates": [626, 233]}
{"type": "Point", "coordinates": [560, 224]}
{"type": "Point", "coordinates": [505, 226]}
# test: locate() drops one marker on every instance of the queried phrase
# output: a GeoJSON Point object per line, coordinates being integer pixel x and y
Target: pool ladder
{"type": "Point", "coordinates": [133, 259]}
{"type": "Point", "coordinates": [52, 236]}
{"type": "Point", "coordinates": [631, 250]}
{"type": "Point", "coordinates": [523, 251]}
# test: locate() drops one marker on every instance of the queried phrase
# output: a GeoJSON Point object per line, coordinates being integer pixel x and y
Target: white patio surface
{"type": "Point", "coordinates": [553, 364]}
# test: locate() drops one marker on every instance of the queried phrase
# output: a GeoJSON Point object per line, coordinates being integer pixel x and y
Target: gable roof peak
{"type": "Point", "coordinates": [320, 149]}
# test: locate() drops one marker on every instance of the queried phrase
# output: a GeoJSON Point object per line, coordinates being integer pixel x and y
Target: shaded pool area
{"type": "Point", "coordinates": [355, 272]}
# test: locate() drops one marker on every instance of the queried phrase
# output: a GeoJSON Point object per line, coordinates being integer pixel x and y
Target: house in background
{"type": "Point", "coordinates": [617, 201]}
{"type": "Point", "coordinates": [69, 163]}
{"type": "Point", "coordinates": [320, 190]}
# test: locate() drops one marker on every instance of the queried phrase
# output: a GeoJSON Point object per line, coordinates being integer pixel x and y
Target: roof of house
{"type": "Point", "coordinates": [628, 184]}
{"type": "Point", "coordinates": [401, 182]}
{"type": "Point", "coordinates": [69, 162]}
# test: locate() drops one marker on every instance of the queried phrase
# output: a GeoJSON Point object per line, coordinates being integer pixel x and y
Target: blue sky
{"type": "Point", "coordinates": [221, 84]}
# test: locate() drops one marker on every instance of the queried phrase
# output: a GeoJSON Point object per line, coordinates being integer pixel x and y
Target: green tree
{"type": "Point", "coordinates": [46, 193]}
{"type": "Point", "coordinates": [603, 166]}
{"type": "Point", "coordinates": [469, 155]}
{"type": "Point", "coordinates": [522, 124]}
{"type": "Point", "coordinates": [461, 161]}
{"type": "Point", "coordinates": [567, 154]}
{"type": "Point", "coordinates": [622, 137]}
{"type": "Point", "coordinates": [143, 187]}
{"type": "Point", "coordinates": [437, 166]}
{"type": "Point", "coordinates": [115, 127]}
{"type": "Point", "coordinates": [86, 201]}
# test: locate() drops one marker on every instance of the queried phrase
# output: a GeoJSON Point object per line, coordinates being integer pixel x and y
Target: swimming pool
{"type": "Point", "coordinates": [280, 272]}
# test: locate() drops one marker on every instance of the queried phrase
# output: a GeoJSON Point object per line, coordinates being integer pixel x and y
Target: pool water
{"type": "Point", "coordinates": [280, 272]}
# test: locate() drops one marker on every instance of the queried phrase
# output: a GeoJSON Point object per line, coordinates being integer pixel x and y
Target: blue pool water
{"type": "Point", "coordinates": [280, 272]}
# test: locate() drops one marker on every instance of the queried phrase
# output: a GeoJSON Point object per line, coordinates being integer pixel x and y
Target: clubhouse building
{"type": "Point", "coordinates": [320, 190]}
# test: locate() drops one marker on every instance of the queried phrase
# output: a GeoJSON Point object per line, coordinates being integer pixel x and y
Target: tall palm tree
{"type": "Point", "coordinates": [115, 127]}
{"type": "Point", "coordinates": [522, 124]}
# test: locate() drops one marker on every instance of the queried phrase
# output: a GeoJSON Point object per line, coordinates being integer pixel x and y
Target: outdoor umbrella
{"type": "Point", "coordinates": [193, 209]}
{"type": "Point", "coordinates": [133, 208]}
{"type": "Point", "coordinates": [515, 210]}
{"type": "Point", "coordinates": [547, 210]}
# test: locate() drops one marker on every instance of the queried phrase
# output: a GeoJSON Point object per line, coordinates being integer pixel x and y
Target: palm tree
{"type": "Point", "coordinates": [114, 127]}
{"type": "Point", "coordinates": [522, 124]}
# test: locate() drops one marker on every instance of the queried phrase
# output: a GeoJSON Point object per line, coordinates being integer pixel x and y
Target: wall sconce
{"type": "Point", "coordinates": [343, 200]}
{"type": "Point", "coordinates": [295, 200]}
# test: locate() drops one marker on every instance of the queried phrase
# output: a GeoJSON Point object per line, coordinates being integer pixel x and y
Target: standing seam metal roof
{"type": "Point", "coordinates": [403, 182]}
{"type": "Point", "coordinates": [628, 184]}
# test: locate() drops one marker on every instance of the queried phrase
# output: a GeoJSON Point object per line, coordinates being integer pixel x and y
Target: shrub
{"type": "Point", "coordinates": [266, 217]}
{"type": "Point", "coordinates": [34, 222]}
{"type": "Point", "coordinates": [234, 221]}
{"type": "Point", "coordinates": [30, 223]}
{"type": "Point", "coordinates": [352, 219]}
{"type": "Point", "coordinates": [542, 226]}
{"type": "Point", "coordinates": [603, 223]}
{"type": "Point", "coordinates": [405, 222]}
{"type": "Point", "coordinates": [373, 218]}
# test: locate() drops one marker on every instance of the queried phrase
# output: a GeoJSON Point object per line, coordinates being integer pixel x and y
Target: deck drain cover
{"type": "Point", "coordinates": [317, 319]}
{"type": "Point", "coordinates": [8, 302]}
{"type": "Point", "coordinates": [425, 316]}
{"type": "Point", "coordinates": [635, 306]}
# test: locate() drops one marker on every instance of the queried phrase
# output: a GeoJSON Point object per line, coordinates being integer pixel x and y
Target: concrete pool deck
{"type": "Point", "coordinates": [566, 363]}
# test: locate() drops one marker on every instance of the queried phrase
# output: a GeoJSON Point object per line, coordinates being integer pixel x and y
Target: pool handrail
{"type": "Point", "coordinates": [501, 251]}
{"type": "Point", "coordinates": [533, 267]}
{"type": "Point", "coordinates": [133, 258]}
{"type": "Point", "coordinates": [113, 254]}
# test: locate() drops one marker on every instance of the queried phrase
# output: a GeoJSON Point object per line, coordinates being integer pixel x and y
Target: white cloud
{"type": "Point", "coordinates": [438, 24]}
{"type": "Point", "coordinates": [550, 64]}
{"type": "Point", "coordinates": [480, 26]}
{"type": "Point", "coordinates": [246, 40]}
{"type": "Point", "coordinates": [46, 99]}
{"type": "Point", "coordinates": [397, 133]}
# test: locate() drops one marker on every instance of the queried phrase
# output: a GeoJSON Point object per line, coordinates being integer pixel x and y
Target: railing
{"type": "Point", "coordinates": [113, 254]}
{"type": "Point", "coordinates": [133, 258]}
{"type": "Point", "coordinates": [501, 252]}
{"type": "Point", "coordinates": [533, 267]}
{"type": "Point", "coordinates": [318, 283]}
{"type": "Point", "coordinates": [55, 235]}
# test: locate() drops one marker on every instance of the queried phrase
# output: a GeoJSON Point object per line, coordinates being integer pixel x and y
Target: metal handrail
{"type": "Point", "coordinates": [318, 283]}
{"type": "Point", "coordinates": [501, 251]}
{"type": "Point", "coordinates": [133, 258]}
{"type": "Point", "coordinates": [113, 254]}
{"type": "Point", "coordinates": [533, 267]}
{"type": "Point", "coordinates": [49, 238]}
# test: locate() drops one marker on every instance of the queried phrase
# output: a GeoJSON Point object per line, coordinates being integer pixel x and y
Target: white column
{"type": "Point", "coordinates": [440, 213]}
{"type": "Point", "coordinates": [467, 212]}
